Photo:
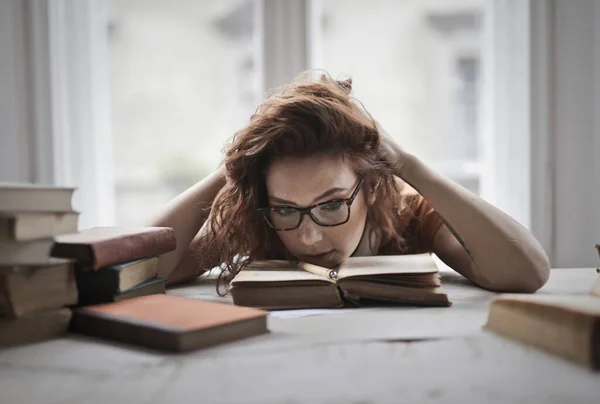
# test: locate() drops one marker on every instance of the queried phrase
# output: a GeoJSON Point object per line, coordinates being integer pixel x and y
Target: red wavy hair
{"type": "Point", "coordinates": [300, 119]}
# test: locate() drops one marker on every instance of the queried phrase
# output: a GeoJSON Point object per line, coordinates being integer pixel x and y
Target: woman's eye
{"type": "Point", "coordinates": [283, 211]}
{"type": "Point", "coordinates": [332, 206]}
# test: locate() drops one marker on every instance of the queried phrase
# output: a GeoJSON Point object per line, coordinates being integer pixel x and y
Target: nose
{"type": "Point", "coordinates": [309, 232]}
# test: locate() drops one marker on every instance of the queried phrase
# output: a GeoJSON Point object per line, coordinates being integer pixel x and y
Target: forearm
{"type": "Point", "coordinates": [186, 270]}
{"type": "Point", "coordinates": [185, 214]}
{"type": "Point", "coordinates": [504, 255]}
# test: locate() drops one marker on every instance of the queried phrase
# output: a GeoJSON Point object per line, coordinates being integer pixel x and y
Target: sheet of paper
{"type": "Point", "coordinates": [288, 314]}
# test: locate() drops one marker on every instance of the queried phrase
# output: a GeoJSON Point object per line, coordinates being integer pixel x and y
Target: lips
{"type": "Point", "coordinates": [320, 255]}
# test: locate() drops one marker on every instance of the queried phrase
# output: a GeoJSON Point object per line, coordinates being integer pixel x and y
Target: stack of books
{"type": "Point", "coordinates": [100, 282]}
{"type": "Point", "coordinates": [120, 297]}
{"type": "Point", "coordinates": [35, 289]}
{"type": "Point", "coordinates": [116, 263]}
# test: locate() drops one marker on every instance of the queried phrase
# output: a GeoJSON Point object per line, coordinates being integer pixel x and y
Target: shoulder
{"type": "Point", "coordinates": [412, 206]}
{"type": "Point", "coordinates": [417, 222]}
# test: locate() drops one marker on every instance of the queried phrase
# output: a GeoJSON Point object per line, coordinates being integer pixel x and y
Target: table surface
{"type": "Point", "coordinates": [369, 355]}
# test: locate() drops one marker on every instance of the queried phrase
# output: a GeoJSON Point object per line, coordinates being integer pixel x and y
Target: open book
{"type": "Point", "coordinates": [408, 279]}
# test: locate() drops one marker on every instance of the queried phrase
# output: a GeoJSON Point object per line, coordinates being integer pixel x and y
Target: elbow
{"type": "Point", "coordinates": [524, 276]}
{"type": "Point", "coordinates": [534, 278]}
{"type": "Point", "coordinates": [537, 271]}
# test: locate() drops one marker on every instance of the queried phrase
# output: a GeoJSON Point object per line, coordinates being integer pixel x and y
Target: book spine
{"type": "Point", "coordinates": [133, 247]}
{"type": "Point", "coordinates": [104, 282]}
{"type": "Point", "coordinates": [6, 307]}
{"type": "Point", "coordinates": [115, 329]}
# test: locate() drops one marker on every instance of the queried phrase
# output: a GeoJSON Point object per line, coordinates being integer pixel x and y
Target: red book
{"type": "Point", "coordinates": [170, 323]}
{"type": "Point", "coordinates": [102, 246]}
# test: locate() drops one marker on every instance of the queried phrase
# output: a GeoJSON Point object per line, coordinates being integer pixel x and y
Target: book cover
{"type": "Point", "coordinates": [103, 246]}
{"type": "Point", "coordinates": [169, 322]}
{"type": "Point", "coordinates": [115, 278]}
{"type": "Point", "coordinates": [149, 287]}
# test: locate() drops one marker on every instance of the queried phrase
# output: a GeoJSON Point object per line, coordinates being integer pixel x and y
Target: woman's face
{"type": "Point", "coordinates": [302, 182]}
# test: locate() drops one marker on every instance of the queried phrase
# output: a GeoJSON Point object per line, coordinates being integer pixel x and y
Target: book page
{"type": "Point", "coordinates": [388, 265]}
{"type": "Point", "coordinates": [270, 275]}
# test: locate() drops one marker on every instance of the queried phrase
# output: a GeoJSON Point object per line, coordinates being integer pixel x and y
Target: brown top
{"type": "Point", "coordinates": [419, 223]}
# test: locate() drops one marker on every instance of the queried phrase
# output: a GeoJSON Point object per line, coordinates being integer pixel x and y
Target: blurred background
{"type": "Point", "coordinates": [132, 101]}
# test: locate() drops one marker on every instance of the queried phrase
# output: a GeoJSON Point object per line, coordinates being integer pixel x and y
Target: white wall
{"type": "Point", "coordinates": [576, 149]}
{"type": "Point", "coordinates": [542, 80]}
{"type": "Point", "coordinates": [15, 156]}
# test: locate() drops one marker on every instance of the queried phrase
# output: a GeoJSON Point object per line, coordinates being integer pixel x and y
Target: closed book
{"type": "Point", "coordinates": [116, 278]}
{"type": "Point", "coordinates": [34, 327]}
{"type": "Point", "coordinates": [169, 323]}
{"type": "Point", "coordinates": [100, 247]}
{"type": "Point", "coordinates": [596, 287]}
{"type": "Point", "coordinates": [150, 287]}
{"type": "Point", "coordinates": [563, 325]}
{"type": "Point", "coordinates": [27, 289]}
{"type": "Point", "coordinates": [35, 198]}
{"type": "Point", "coordinates": [406, 279]}
{"type": "Point", "coordinates": [27, 226]}
{"type": "Point", "coordinates": [35, 252]}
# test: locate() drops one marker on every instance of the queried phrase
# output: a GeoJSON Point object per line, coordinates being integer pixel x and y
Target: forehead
{"type": "Point", "coordinates": [302, 179]}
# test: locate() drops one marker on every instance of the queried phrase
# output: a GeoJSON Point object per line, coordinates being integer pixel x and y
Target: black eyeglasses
{"type": "Point", "coordinates": [330, 213]}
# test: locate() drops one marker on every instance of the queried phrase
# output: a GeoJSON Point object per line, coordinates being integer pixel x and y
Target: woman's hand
{"type": "Point", "coordinates": [393, 153]}
{"type": "Point", "coordinates": [389, 148]}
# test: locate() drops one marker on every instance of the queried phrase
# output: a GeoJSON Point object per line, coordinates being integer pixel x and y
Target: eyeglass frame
{"type": "Point", "coordinates": [307, 210]}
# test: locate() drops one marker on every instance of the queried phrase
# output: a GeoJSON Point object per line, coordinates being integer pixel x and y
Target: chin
{"type": "Point", "coordinates": [330, 260]}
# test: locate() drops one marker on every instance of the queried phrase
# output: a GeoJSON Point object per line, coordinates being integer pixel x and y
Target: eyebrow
{"type": "Point", "coordinates": [323, 195]}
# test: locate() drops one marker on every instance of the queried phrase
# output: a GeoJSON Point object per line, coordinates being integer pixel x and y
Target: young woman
{"type": "Point", "coordinates": [314, 178]}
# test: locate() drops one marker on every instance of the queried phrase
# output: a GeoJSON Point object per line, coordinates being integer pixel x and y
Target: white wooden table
{"type": "Point", "coordinates": [352, 356]}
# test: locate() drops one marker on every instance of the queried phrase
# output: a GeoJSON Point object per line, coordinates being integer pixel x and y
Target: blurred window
{"type": "Point", "coordinates": [182, 81]}
{"type": "Point", "coordinates": [416, 67]}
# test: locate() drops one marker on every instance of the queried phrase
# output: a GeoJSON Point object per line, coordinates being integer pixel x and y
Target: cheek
{"type": "Point", "coordinates": [345, 238]}
{"type": "Point", "coordinates": [352, 231]}
{"type": "Point", "coordinates": [288, 238]}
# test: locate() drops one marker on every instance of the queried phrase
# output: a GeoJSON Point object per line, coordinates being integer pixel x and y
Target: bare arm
{"type": "Point", "coordinates": [186, 214]}
{"type": "Point", "coordinates": [479, 241]}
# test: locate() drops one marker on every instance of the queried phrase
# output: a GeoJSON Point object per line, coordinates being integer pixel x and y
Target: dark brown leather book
{"type": "Point", "coordinates": [115, 278]}
{"type": "Point", "coordinates": [169, 323]}
{"type": "Point", "coordinates": [34, 327]}
{"type": "Point", "coordinates": [404, 279]}
{"type": "Point", "coordinates": [27, 289]}
{"type": "Point", "coordinates": [150, 287]}
{"type": "Point", "coordinates": [564, 325]}
{"type": "Point", "coordinates": [103, 246]}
